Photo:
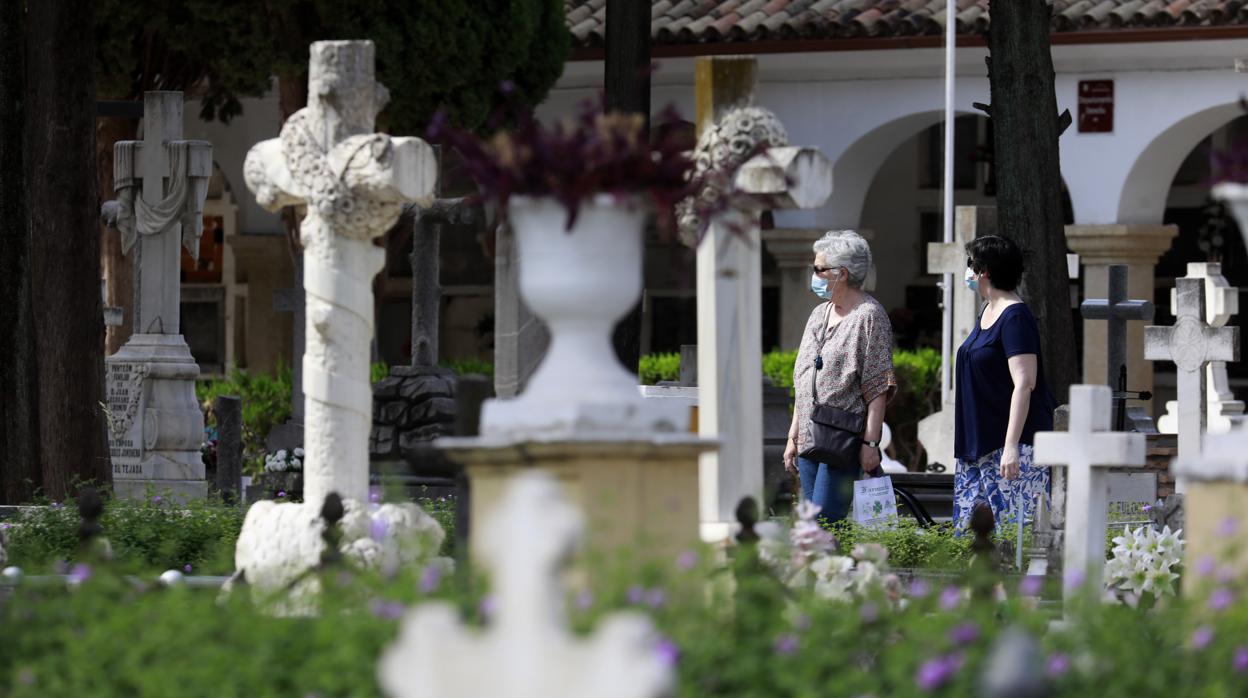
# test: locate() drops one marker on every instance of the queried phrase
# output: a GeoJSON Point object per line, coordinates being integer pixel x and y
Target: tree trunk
{"type": "Point", "coordinates": [63, 204]}
{"type": "Point", "coordinates": [1029, 179]}
{"type": "Point", "coordinates": [118, 268]}
{"type": "Point", "coordinates": [627, 80]}
{"type": "Point", "coordinates": [19, 394]}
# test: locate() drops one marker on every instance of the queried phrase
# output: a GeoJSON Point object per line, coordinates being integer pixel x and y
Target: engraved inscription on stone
{"type": "Point", "coordinates": [125, 402]}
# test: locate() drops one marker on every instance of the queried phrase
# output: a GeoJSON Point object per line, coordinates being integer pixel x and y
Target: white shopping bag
{"type": "Point", "coordinates": [875, 504]}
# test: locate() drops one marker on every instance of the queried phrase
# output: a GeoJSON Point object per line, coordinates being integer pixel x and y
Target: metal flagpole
{"type": "Point", "coordinates": [946, 315]}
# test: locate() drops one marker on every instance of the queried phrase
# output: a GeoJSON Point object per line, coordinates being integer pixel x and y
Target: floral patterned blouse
{"type": "Point", "coordinates": [857, 362]}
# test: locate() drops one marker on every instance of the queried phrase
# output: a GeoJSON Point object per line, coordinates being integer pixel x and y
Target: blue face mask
{"type": "Point", "coordinates": [972, 282]}
{"type": "Point", "coordinates": [819, 286]}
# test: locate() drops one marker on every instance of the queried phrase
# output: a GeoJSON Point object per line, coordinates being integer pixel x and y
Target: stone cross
{"type": "Point", "coordinates": [426, 285]}
{"type": "Point", "coordinates": [1087, 451]}
{"type": "Point", "coordinates": [353, 183]}
{"type": "Point", "coordinates": [526, 650]}
{"type": "Point", "coordinates": [1191, 344]}
{"type": "Point", "coordinates": [1221, 303]}
{"type": "Point", "coordinates": [729, 275]}
{"type": "Point", "coordinates": [1116, 310]}
{"type": "Point", "coordinates": [155, 423]}
{"type": "Point", "coordinates": [950, 258]}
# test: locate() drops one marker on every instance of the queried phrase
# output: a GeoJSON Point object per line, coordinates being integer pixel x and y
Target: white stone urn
{"type": "Point", "coordinates": [580, 282]}
{"type": "Point", "coordinates": [1235, 195]}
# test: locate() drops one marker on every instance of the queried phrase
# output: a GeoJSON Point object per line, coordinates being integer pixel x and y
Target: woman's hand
{"type": "Point", "coordinates": [790, 455]}
{"type": "Point", "coordinates": [869, 458]}
{"type": "Point", "coordinates": [1009, 462]}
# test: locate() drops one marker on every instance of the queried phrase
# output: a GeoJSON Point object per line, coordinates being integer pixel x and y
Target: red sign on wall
{"type": "Point", "coordinates": [1096, 106]}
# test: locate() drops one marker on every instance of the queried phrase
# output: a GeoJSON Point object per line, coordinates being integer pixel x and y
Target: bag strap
{"type": "Point", "coordinates": [814, 375]}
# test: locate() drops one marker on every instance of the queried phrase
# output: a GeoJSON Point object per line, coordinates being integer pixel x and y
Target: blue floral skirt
{"type": "Point", "coordinates": [980, 481]}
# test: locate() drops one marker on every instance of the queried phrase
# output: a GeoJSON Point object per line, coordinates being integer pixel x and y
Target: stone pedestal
{"type": "Point", "coordinates": [1139, 247]}
{"type": "Point", "coordinates": [638, 494]}
{"type": "Point", "coordinates": [1217, 497]}
{"type": "Point", "coordinates": [793, 252]}
{"type": "Point", "coordinates": [155, 423]}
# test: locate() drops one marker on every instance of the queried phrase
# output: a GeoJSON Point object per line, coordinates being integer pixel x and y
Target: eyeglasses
{"type": "Point", "coordinates": [819, 270]}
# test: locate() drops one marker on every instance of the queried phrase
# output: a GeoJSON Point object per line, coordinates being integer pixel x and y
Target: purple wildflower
{"type": "Point", "coordinates": [507, 87]}
{"type": "Point", "coordinates": [374, 494]}
{"type": "Point", "coordinates": [687, 560]}
{"type": "Point", "coordinates": [156, 499]}
{"type": "Point", "coordinates": [667, 651]}
{"type": "Point", "coordinates": [919, 589]}
{"type": "Point", "coordinates": [937, 671]}
{"type": "Point", "coordinates": [187, 568]}
{"type": "Point", "coordinates": [430, 578]}
{"type": "Point", "coordinates": [1057, 665]}
{"type": "Point", "coordinates": [786, 645]}
{"type": "Point", "coordinates": [1031, 585]}
{"type": "Point", "coordinates": [1073, 579]}
{"type": "Point", "coordinates": [1202, 637]}
{"type": "Point", "coordinates": [585, 600]}
{"type": "Point", "coordinates": [964, 634]}
{"type": "Point", "coordinates": [488, 606]}
{"type": "Point", "coordinates": [386, 610]}
{"type": "Point", "coordinates": [80, 573]}
{"type": "Point", "coordinates": [281, 494]}
{"type": "Point", "coordinates": [636, 595]}
{"type": "Point", "coordinates": [950, 598]}
{"type": "Point", "coordinates": [1228, 526]}
{"type": "Point", "coordinates": [56, 505]}
{"type": "Point", "coordinates": [655, 598]}
{"type": "Point", "coordinates": [801, 623]}
{"type": "Point", "coordinates": [868, 612]}
{"type": "Point", "coordinates": [1147, 507]}
{"type": "Point", "coordinates": [1240, 661]}
{"type": "Point", "coordinates": [1221, 599]}
{"type": "Point", "coordinates": [1205, 566]}
{"type": "Point", "coordinates": [378, 529]}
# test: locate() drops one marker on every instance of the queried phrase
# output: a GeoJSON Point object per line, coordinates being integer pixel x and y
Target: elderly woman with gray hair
{"type": "Point", "coordinates": [844, 368]}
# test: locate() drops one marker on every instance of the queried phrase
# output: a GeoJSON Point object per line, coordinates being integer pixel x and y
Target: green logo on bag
{"type": "Point", "coordinates": [876, 507]}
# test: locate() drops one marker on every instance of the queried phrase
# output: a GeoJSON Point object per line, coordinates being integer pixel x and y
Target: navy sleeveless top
{"type": "Point", "coordinates": [984, 385]}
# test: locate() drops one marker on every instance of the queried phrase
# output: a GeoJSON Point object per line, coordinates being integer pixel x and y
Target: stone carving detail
{"type": "Point", "coordinates": [724, 147]}
{"type": "Point", "coordinates": [184, 202]}
{"type": "Point", "coordinates": [527, 651]}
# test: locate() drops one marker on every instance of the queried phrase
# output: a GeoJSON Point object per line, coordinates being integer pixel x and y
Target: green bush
{"type": "Point", "coordinates": [778, 366]}
{"type": "Point", "coordinates": [918, 395]}
{"type": "Point", "coordinates": [469, 366]}
{"type": "Point", "coordinates": [266, 404]}
{"type": "Point", "coordinates": [653, 368]}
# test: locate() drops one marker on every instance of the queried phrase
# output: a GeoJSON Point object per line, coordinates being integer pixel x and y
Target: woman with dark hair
{"type": "Point", "coordinates": [1001, 397]}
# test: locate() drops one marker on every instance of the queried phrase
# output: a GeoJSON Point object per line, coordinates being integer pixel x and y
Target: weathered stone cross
{"type": "Point", "coordinates": [950, 258]}
{"type": "Point", "coordinates": [729, 275]}
{"type": "Point", "coordinates": [353, 183]}
{"type": "Point", "coordinates": [1088, 450]}
{"type": "Point", "coordinates": [1116, 310]}
{"type": "Point", "coordinates": [1190, 344]}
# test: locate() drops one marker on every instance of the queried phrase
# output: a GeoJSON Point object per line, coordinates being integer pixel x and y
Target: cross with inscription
{"type": "Point", "coordinates": [353, 184]}
{"type": "Point", "coordinates": [1087, 451]}
{"type": "Point", "coordinates": [1191, 344]}
{"type": "Point", "coordinates": [1116, 310]}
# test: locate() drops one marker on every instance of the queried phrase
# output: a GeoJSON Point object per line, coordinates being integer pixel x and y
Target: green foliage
{"type": "Point", "coordinates": [266, 404]}
{"type": "Point", "coordinates": [909, 545]}
{"type": "Point", "coordinates": [378, 371]}
{"type": "Point", "coordinates": [653, 368]}
{"type": "Point", "coordinates": [470, 366]}
{"type": "Point", "coordinates": [145, 535]}
{"type": "Point", "coordinates": [778, 366]}
{"type": "Point", "coordinates": [918, 395]}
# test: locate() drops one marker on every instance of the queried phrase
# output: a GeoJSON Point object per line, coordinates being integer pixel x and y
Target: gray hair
{"type": "Point", "coordinates": [845, 248]}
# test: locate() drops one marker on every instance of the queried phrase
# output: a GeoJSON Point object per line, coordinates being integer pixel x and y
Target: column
{"type": "Point", "coordinates": [791, 248]}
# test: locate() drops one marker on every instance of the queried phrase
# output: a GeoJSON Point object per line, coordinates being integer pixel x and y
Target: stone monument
{"type": "Point", "coordinates": [353, 184]}
{"type": "Point", "coordinates": [1116, 310]}
{"type": "Point", "coordinates": [155, 423]}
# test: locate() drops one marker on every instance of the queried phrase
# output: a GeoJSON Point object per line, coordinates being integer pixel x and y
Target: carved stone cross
{"type": "Point", "coordinates": [950, 258]}
{"type": "Point", "coordinates": [353, 184]}
{"type": "Point", "coordinates": [1088, 450]}
{"type": "Point", "coordinates": [1191, 344]}
{"type": "Point", "coordinates": [1116, 310]}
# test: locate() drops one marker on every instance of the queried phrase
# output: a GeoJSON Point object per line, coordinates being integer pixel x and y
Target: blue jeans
{"type": "Point", "coordinates": [832, 489]}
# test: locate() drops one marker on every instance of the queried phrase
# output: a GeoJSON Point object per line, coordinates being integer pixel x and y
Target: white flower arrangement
{"type": "Point", "coordinates": [809, 556]}
{"type": "Point", "coordinates": [284, 461]}
{"type": "Point", "coordinates": [1143, 561]}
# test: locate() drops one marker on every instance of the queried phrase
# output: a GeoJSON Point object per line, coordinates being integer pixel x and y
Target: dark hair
{"type": "Point", "coordinates": [998, 256]}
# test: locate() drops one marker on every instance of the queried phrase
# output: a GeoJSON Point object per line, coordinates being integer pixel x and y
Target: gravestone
{"type": "Point", "coordinates": [156, 426]}
{"type": "Point", "coordinates": [527, 649]}
{"type": "Point", "coordinates": [354, 184]}
{"type": "Point", "coordinates": [1191, 344]}
{"type": "Point", "coordinates": [1223, 411]}
{"type": "Point", "coordinates": [1087, 451]}
{"type": "Point", "coordinates": [289, 436]}
{"type": "Point", "coordinates": [1116, 310]}
{"type": "Point", "coordinates": [1213, 507]}
{"type": "Point", "coordinates": [520, 337]}
{"type": "Point", "coordinates": [936, 430]}
{"type": "Point", "coordinates": [729, 273]}
{"type": "Point", "coordinates": [415, 404]}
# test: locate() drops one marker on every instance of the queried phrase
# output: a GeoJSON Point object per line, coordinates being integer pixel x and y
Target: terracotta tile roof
{"type": "Point", "coordinates": [715, 21]}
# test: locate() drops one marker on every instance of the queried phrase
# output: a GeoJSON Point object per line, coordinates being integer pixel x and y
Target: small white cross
{"type": "Point", "coordinates": [1087, 451]}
